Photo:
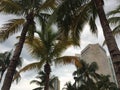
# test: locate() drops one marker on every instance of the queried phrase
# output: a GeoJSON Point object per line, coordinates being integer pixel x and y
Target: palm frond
{"type": "Point", "coordinates": [114, 20]}
{"type": "Point", "coordinates": [61, 46]}
{"type": "Point", "coordinates": [93, 27]}
{"type": "Point", "coordinates": [10, 28]}
{"type": "Point", "coordinates": [93, 66]}
{"type": "Point", "coordinates": [36, 47]}
{"type": "Point", "coordinates": [18, 77]}
{"type": "Point", "coordinates": [9, 6]}
{"type": "Point", "coordinates": [20, 62]}
{"type": "Point", "coordinates": [35, 65]}
{"type": "Point", "coordinates": [36, 82]}
{"type": "Point", "coordinates": [68, 59]}
{"type": "Point", "coordinates": [73, 16]}
{"type": "Point", "coordinates": [38, 88]}
{"type": "Point", "coordinates": [48, 4]}
{"type": "Point", "coordinates": [114, 12]}
{"type": "Point", "coordinates": [31, 30]}
{"type": "Point", "coordinates": [116, 30]}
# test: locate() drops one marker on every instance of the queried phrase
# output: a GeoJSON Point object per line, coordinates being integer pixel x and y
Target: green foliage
{"type": "Point", "coordinates": [114, 20]}
{"type": "Point", "coordinates": [73, 15]}
{"type": "Point", "coordinates": [23, 8]}
{"type": "Point", "coordinates": [40, 81]}
{"type": "Point", "coordinates": [86, 78]}
{"type": "Point", "coordinates": [4, 63]}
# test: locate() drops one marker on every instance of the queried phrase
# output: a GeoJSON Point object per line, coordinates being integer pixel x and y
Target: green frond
{"type": "Point", "coordinates": [68, 59]}
{"type": "Point", "coordinates": [73, 15]}
{"type": "Point", "coordinates": [114, 12]}
{"type": "Point", "coordinates": [61, 46]}
{"type": "Point", "coordinates": [35, 65]}
{"type": "Point", "coordinates": [93, 27]}
{"type": "Point", "coordinates": [93, 66]}
{"type": "Point", "coordinates": [116, 30]}
{"type": "Point", "coordinates": [20, 62]}
{"type": "Point", "coordinates": [38, 88]}
{"type": "Point", "coordinates": [48, 4]}
{"type": "Point", "coordinates": [36, 82]}
{"type": "Point", "coordinates": [31, 31]}
{"type": "Point", "coordinates": [8, 29]}
{"type": "Point", "coordinates": [18, 77]}
{"type": "Point", "coordinates": [114, 20]}
{"type": "Point", "coordinates": [36, 48]}
{"type": "Point", "coordinates": [9, 6]}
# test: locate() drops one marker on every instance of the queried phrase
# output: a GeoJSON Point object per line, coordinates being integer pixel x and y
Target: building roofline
{"type": "Point", "coordinates": [89, 45]}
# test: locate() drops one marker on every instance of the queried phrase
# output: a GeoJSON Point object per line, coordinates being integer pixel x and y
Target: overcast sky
{"type": "Point", "coordinates": [64, 73]}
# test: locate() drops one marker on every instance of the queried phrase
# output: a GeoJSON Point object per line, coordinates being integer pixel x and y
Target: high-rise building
{"type": "Point", "coordinates": [95, 53]}
{"type": "Point", "coordinates": [56, 84]}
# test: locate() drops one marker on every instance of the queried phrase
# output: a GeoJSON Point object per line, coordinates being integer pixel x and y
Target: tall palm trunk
{"type": "Point", "coordinates": [17, 52]}
{"type": "Point", "coordinates": [47, 70]}
{"type": "Point", "coordinates": [110, 40]}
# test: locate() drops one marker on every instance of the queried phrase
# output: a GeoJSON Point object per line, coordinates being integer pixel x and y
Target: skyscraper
{"type": "Point", "coordinates": [95, 53]}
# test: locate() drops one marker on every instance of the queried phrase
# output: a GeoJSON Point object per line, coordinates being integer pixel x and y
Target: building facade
{"type": "Point", "coordinates": [95, 53]}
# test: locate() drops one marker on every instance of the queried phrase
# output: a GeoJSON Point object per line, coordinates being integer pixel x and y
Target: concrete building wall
{"type": "Point", "coordinates": [95, 53]}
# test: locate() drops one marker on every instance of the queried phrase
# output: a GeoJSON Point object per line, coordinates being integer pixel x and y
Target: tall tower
{"type": "Point", "coordinates": [95, 53]}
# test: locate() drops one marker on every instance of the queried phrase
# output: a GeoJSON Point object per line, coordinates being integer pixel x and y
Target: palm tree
{"type": "Point", "coordinates": [109, 38]}
{"type": "Point", "coordinates": [105, 84]}
{"type": "Point", "coordinates": [29, 10]}
{"type": "Point", "coordinates": [4, 63]}
{"type": "Point", "coordinates": [41, 81]}
{"type": "Point", "coordinates": [84, 76]}
{"type": "Point", "coordinates": [69, 86]}
{"type": "Point", "coordinates": [48, 48]}
{"type": "Point", "coordinates": [73, 15]}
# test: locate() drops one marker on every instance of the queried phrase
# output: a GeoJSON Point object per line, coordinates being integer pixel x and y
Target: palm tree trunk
{"type": "Point", "coordinates": [17, 52]}
{"type": "Point", "coordinates": [47, 70]}
{"type": "Point", "coordinates": [110, 40]}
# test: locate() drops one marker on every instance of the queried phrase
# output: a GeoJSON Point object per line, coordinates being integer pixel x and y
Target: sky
{"type": "Point", "coordinates": [64, 73]}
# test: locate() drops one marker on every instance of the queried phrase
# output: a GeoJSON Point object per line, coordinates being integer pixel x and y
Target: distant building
{"type": "Point", "coordinates": [56, 84]}
{"type": "Point", "coordinates": [95, 53]}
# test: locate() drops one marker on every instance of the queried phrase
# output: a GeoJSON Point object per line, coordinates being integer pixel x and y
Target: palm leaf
{"type": "Point", "coordinates": [36, 82]}
{"type": "Point", "coordinates": [35, 65]}
{"type": "Point", "coordinates": [10, 28]}
{"type": "Point", "coordinates": [114, 20]}
{"type": "Point", "coordinates": [18, 77]}
{"type": "Point", "coordinates": [9, 6]}
{"type": "Point", "coordinates": [73, 16]}
{"type": "Point", "coordinates": [35, 48]}
{"type": "Point", "coordinates": [38, 88]}
{"type": "Point", "coordinates": [68, 59]}
{"type": "Point", "coordinates": [31, 30]}
{"type": "Point", "coordinates": [48, 4]}
{"type": "Point", "coordinates": [61, 46]}
{"type": "Point", "coordinates": [116, 30]}
{"type": "Point", "coordinates": [114, 12]}
{"type": "Point", "coordinates": [93, 27]}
